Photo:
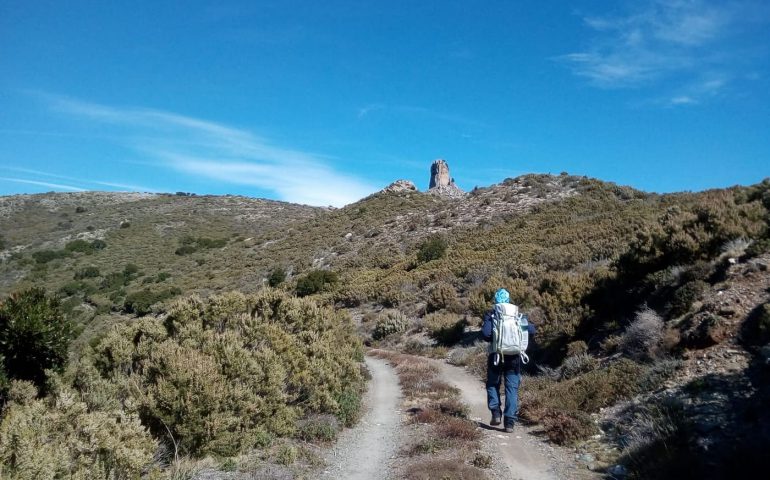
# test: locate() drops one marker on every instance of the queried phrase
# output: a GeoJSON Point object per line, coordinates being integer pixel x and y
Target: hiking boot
{"type": "Point", "coordinates": [496, 418]}
{"type": "Point", "coordinates": [508, 427]}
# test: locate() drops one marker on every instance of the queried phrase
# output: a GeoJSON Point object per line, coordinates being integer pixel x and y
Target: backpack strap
{"type": "Point", "coordinates": [524, 358]}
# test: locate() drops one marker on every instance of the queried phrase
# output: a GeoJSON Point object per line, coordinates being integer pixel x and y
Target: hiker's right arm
{"type": "Point", "coordinates": [486, 327]}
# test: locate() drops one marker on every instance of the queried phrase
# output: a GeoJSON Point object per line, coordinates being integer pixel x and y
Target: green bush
{"type": "Point", "coordinates": [83, 246]}
{"type": "Point", "coordinates": [77, 286]}
{"type": "Point", "coordinates": [87, 272]}
{"type": "Point", "coordinates": [277, 276]}
{"type": "Point", "coordinates": [316, 281]}
{"type": "Point", "coordinates": [140, 302]}
{"type": "Point", "coordinates": [565, 428]}
{"type": "Point", "coordinates": [34, 335]}
{"type": "Point", "coordinates": [116, 280]}
{"type": "Point", "coordinates": [191, 244]}
{"type": "Point", "coordinates": [388, 323]}
{"type": "Point", "coordinates": [80, 246]}
{"type": "Point", "coordinates": [685, 296]}
{"type": "Point", "coordinates": [204, 242]}
{"type": "Point", "coordinates": [228, 374]}
{"type": "Point", "coordinates": [442, 296]}
{"type": "Point", "coordinates": [62, 438]}
{"type": "Point", "coordinates": [45, 256]}
{"type": "Point", "coordinates": [319, 428]}
{"type": "Point", "coordinates": [432, 248]}
{"type": "Point", "coordinates": [446, 328]}
{"type": "Point", "coordinates": [185, 250]}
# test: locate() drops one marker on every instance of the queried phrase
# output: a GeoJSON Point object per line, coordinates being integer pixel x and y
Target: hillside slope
{"type": "Point", "coordinates": [629, 291]}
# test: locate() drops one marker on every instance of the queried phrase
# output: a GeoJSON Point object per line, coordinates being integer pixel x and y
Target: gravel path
{"type": "Point", "coordinates": [519, 455]}
{"type": "Point", "coordinates": [367, 450]}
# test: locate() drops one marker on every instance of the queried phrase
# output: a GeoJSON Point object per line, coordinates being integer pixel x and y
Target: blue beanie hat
{"type": "Point", "coordinates": [502, 296]}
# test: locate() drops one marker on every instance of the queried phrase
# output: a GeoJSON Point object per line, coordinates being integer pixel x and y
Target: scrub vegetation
{"type": "Point", "coordinates": [251, 297]}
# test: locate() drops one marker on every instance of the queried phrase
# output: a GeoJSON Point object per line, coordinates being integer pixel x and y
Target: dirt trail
{"type": "Point", "coordinates": [519, 450]}
{"type": "Point", "coordinates": [367, 450]}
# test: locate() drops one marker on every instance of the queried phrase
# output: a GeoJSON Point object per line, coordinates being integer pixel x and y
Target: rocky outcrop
{"type": "Point", "coordinates": [441, 182]}
{"type": "Point", "coordinates": [400, 186]}
{"type": "Point", "coordinates": [439, 174]}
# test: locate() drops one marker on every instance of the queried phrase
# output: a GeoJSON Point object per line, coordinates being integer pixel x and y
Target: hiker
{"type": "Point", "coordinates": [506, 354]}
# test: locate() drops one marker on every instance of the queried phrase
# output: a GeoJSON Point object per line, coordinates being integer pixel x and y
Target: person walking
{"type": "Point", "coordinates": [501, 366]}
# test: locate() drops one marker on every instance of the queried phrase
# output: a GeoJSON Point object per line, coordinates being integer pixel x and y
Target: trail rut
{"type": "Point", "coordinates": [368, 450]}
{"type": "Point", "coordinates": [522, 454]}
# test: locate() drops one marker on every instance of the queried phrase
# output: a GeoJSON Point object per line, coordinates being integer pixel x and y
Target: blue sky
{"type": "Point", "coordinates": [326, 102]}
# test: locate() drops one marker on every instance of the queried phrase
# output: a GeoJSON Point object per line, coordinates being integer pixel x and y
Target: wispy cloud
{"type": "Point", "coordinates": [55, 186]}
{"type": "Point", "coordinates": [682, 41]}
{"type": "Point", "coordinates": [214, 151]}
{"type": "Point", "coordinates": [83, 182]}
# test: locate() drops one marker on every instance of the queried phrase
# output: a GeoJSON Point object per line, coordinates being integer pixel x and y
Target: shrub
{"type": "Point", "coordinates": [577, 365]}
{"type": "Point", "coordinates": [349, 405]}
{"type": "Point", "coordinates": [34, 335]}
{"type": "Point", "coordinates": [83, 246]}
{"type": "Point", "coordinates": [482, 460]}
{"type": "Point", "coordinates": [185, 250]}
{"type": "Point", "coordinates": [658, 442]}
{"type": "Point", "coordinates": [80, 246]}
{"type": "Point", "coordinates": [316, 281]}
{"type": "Point", "coordinates": [445, 328]}
{"type": "Point", "coordinates": [388, 323]}
{"type": "Point", "coordinates": [442, 296]}
{"type": "Point", "coordinates": [228, 374]}
{"type": "Point", "coordinates": [564, 428]}
{"type": "Point", "coordinates": [191, 245]}
{"type": "Point", "coordinates": [586, 393]}
{"type": "Point", "coordinates": [685, 296]}
{"type": "Point", "coordinates": [432, 248]}
{"type": "Point", "coordinates": [64, 439]}
{"type": "Point", "coordinates": [576, 348]}
{"type": "Point", "coordinates": [140, 302]}
{"type": "Point", "coordinates": [87, 272]}
{"type": "Point", "coordinates": [319, 428]}
{"type": "Point", "coordinates": [287, 454]}
{"type": "Point", "coordinates": [458, 429]}
{"type": "Point", "coordinates": [71, 288]}
{"type": "Point", "coordinates": [643, 337]}
{"type": "Point", "coordinates": [45, 256]}
{"type": "Point", "coordinates": [277, 276]}
{"type": "Point", "coordinates": [204, 242]}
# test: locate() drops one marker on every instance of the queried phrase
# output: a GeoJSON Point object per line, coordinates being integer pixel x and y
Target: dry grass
{"type": "Point", "coordinates": [439, 421]}
{"type": "Point", "coordinates": [443, 469]}
{"type": "Point", "coordinates": [458, 429]}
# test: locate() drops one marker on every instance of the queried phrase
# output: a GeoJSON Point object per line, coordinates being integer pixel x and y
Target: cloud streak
{"type": "Point", "coordinates": [684, 42]}
{"type": "Point", "coordinates": [80, 181]}
{"type": "Point", "coordinates": [55, 186]}
{"type": "Point", "coordinates": [214, 151]}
